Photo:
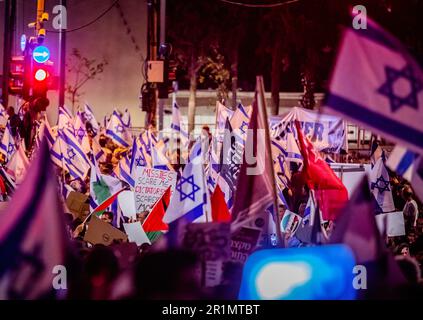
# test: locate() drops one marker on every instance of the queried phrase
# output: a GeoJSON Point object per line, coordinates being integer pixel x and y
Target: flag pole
{"type": "Point", "coordinates": [262, 108]}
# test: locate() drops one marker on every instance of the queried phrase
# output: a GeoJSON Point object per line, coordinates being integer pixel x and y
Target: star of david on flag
{"type": "Point", "coordinates": [376, 83]}
{"type": "Point", "coordinates": [117, 131]}
{"type": "Point", "coordinates": [7, 144]}
{"type": "Point", "coordinates": [380, 187]}
{"type": "Point", "coordinates": [191, 199]}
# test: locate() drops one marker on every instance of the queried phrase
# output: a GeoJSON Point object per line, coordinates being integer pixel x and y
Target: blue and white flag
{"type": "Point", "coordinates": [117, 131]}
{"type": "Point", "coordinates": [178, 127]}
{"type": "Point", "coordinates": [33, 237]}
{"type": "Point", "coordinates": [140, 157]}
{"type": "Point", "coordinates": [126, 119]}
{"type": "Point", "coordinates": [380, 186]}
{"type": "Point", "coordinates": [89, 117]}
{"type": "Point", "coordinates": [159, 160]}
{"type": "Point", "coordinates": [67, 153]}
{"type": "Point", "coordinates": [3, 116]}
{"type": "Point", "coordinates": [65, 120]}
{"type": "Point", "coordinates": [409, 165]}
{"type": "Point", "coordinates": [44, 130]}
{"type": "Point", "coordinates": [8, 143]}
{"type": "Point", "coordinates": [18, 164]}
{"type": "Point", "coordinates": [97, 151]}
{"type": "Point", "coordinates": [125, 171]}
{"type": "Point", "coordinates": [376, 83]}
{"type": "Point", "coordinates": [81, 133]}
{"type": "Point", "coordinates": [190, 200]}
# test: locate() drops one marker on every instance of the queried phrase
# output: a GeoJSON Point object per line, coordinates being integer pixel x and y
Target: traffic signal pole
{"type": "Point", "coordinates": [9, 26]}
{"type": "Point", "coordinates": [162, 42]}
{"type": "Point", "coordinates": [62, 62]}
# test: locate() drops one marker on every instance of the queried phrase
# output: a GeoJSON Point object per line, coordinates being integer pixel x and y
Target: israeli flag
{"type": "Point", "coordinates": [67, 153]}
{"type": "Point", "coordinates": [65, 120]}
{"type": "Point", "coordinates": [190, 200]}
{"type": "Point", "coordinates": [89, 117]}
{"type": "Point", "coordinates": [44, 130]}
{"type": "Point", "coordinates": [177, 126]}
{"type": "Point", "coordinates": [97, 151]}
{"type": "Point", "coordinates": [8, 144]}
{"type": "Point", "coordinates": [126, 119]}
{"type": "Point", "coordinates": [140, 157]}
{"type": "Point", "coordinates": [81, 133]}
{"type": "Point", "coordinates": [117, 130]}
{"type": "Point", "coordinates": [409, 165]}
{"type": "Point", "coordinates": [377, 84]}
{"type": "Point", "coordinates": [3, 116]}
{"type": "Point", "coordinates": [380, 186]}
{"type": "Point", "coordinates": [125, 171]}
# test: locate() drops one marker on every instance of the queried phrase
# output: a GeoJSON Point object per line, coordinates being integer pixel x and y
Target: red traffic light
{"type": "Point", "coordinates": [40, 75]}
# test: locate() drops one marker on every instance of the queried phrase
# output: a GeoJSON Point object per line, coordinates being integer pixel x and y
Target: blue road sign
{"type": "Point", "coordinates": [41, 54]}
{"type": "Point", "coordinates": [23, 42]}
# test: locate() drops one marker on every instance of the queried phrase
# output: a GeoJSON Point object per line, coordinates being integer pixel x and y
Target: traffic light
{"type": "Point", "coordinates": [18, 81]}
{"type": "Point", "coordinates": [40, 80]}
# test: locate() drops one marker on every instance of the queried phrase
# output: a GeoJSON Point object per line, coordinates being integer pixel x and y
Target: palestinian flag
{"type": "Point", "coordinates": [153, 224]}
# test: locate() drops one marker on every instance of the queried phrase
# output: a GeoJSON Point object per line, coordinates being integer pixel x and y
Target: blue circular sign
{"type": "Point", "coordinates": [41, 54]}
{"type": "Point", "coordinates": [23, 42]}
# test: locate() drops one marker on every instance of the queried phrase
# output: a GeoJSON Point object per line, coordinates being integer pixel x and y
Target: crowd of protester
{"type": "Point", "coordinates": [125, 271]}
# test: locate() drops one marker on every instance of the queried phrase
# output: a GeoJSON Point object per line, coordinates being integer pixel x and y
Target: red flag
{"type": "Point", "coordinates": [154, 221]}
{"type": "Point", "coordinates": [331, 194]}
{"type": "Point", "coordinates": [106, 203]}
{"type": "Point", "coordinates": [220, 211]}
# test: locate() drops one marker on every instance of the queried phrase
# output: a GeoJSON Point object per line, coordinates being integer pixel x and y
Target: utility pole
{"type": "Point", "coordinates": [9, 26]}
{"type": "Point", "coordinates": [163, 56]}
{"type": "Point", "coordinates": [62, 57]}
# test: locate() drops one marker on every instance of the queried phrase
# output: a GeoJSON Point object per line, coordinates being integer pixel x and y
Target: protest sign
{"type": "Point", "coordinates": [150, 185]}
{"type": "Point", "coordinates": [211, 241]}
{"type": "Point", "coordinates": [243, 242]}
{"type": "Point", "coordinates": [394, 223]}
{"type": "Point", "coordinates": [327, 133]}
{"type": "Point", "coordinates": [78, 205]}
{"type": "Point", "coordinates": [126, 202]}
{"type": "Point", "coordinates": [136, 233]}
{"type": "Point", "coordinates": [100, 232]}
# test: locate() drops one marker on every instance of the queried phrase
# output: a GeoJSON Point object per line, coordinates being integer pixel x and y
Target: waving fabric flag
{"type": "Point", "coordinates": [8, 143]}
{"type": "Point", "coordinates": [220, 211]}
{"type": "Point", "coordinates": [376, 83]}
{"type": "Point", "coordinates": [44, 130]}
{"type": "Point", "coordinates": [3, 116]}
{"type": "Point", "coordinates": [125, 171]}
{"type": "Point", "coordinates": [380, 186]}
{"type": "Point", "coordinates": [126, 119]}
{"type": "Point", "coordinates": [89, 117]}
{"type": "Point", "coordinates": [255, 191]}
{"type": "Point", "coordinates": [97, 151]}
{"type": "Point", "coordinates": [140, 157]}
{"type": "Point", "coordinates": [153, 225]}
{"type": "Point", "coordinates": [409, 165]}
{"type": "Point", "coordinates": [65, 120]}
{"type": "Point", "coordinates": [81, 133]}
{"type": "Point", "coordinates": [117, 130]}
{"type": "Point", "coordinates": [33, 238]}
{"type": "Point", "coordinates": [67, 153]}
{"type": "Point", "coordinates": [357, 228]}
{"type": "Point", "coordinates": [190, 200]}
{"type": "Point", "coordinates": [18, 164]}
{"type": "Point", "coordinates": [330, 193]}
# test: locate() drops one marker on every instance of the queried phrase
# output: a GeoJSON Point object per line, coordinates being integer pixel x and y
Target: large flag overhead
{"type": "Point", "coordinates": [118, 131]}
{"type": "Point", "coordinates": [33, 239]}
{"type": "Point", "coordinates": [8, 143]}
{"type": "Point", "coordinates": [330, 193]}
{"type": "Point", "coordinates": [380, 185]}
{"type": "Point", "coordinates": [190, 200]}
{"type": "Point", "coordinates": [377, 84]}
{"type": "Point", "coordinates": [409, 165]}
{"type": "Point", "coordinates": [255, 191]}
{"type": "Point", "coordinates": [357, 228]}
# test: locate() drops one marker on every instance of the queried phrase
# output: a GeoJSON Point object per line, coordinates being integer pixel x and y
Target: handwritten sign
{"type": "Point", "coordinates": [243, 242]}
{"type": "Point", "coordinates": [150, 185]}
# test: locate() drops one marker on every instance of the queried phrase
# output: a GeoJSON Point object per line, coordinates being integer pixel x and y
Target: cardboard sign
{"type": "Point", "coordinates": [99, 231]}
{"type": "Point", "coordinates": [290, 222]}
{"type": "Point", "coordinates": [77, 204]}
{"type": "Point", "coordinates": [394, 222]}
{"type": "Point", "coordinates": [136, 233]}
{"type": "Point", "coordinates": [127, 204]}
{"type": "Point", "coordinates": [243, 242]}
{"type": "Point", "coordinates": [150, 185]}
{"type": "Point", "coordinates": [211, 241]}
